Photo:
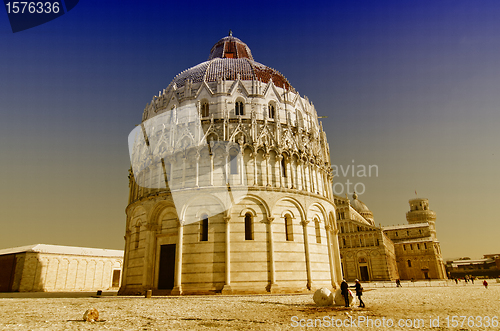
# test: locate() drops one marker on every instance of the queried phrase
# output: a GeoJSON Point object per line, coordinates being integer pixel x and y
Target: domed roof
{"type": "Point", "coordinates": [230, 59]}
{"type": "Point", "coordinates": [359, 205]}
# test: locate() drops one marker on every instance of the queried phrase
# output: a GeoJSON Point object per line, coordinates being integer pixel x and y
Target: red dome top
{"type": "Point", "coordinates": [231, 48]}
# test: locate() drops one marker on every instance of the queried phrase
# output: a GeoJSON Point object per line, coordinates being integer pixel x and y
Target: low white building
{"type": "Point", "coordinates": [47, 268]}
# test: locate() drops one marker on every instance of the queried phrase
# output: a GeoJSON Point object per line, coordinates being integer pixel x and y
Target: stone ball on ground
{"type": "Point", "coordinates": [323, 297]}
{"type": "Point", "coordinates": [338, 298]}
{"type": "Point", "coordinates": [91, 315]}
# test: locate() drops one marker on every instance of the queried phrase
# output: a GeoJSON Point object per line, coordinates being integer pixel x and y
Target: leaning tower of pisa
{"type": "Point", "coordinates": [230, 185]}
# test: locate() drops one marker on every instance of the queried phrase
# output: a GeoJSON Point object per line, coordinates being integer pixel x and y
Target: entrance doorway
{"type": "Point", "coordinates": [363, 272]}
{"type": "Point", "coordinates": [167, 267]}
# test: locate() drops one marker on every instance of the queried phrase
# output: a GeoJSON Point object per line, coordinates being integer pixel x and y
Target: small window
{"type": "Point", "coordinates": [409, 263]}
{"type": "Point", "coordinates": [407, 233]}
{"type": "Point", "coordinates": [248, 227]}
{"type": "Point", "coordinates": [288, 228]}
{"type": "Point", "coordinates": [420, 231]}
{"type": "Point", "coordinates": [239, 108]}
{"type": "Point", "coordinates": [411, 246]}
{"type": "Point", "coordinates": [233, 163]}
{"type": "Point", "coordinates": [343, 240]}
{"type": "Point", "coordinates": [204, 109]}
{"type": "Point", "coordinates": [283, 166]}
{"type": "Point", "coordinates": [425, 245]}
{"type": "Point", "coordinates": [271, 111]}
{"type": "Point", "coordinates": [404, 247]}
{"type": "Point", "coordinates": [318, 232]}
{"type": "Point", "coordinates": [378, 242]}
{"type": "Point", "coordinates": [396, 233]}
{"type": "Point", "coordinates": [204, 228]}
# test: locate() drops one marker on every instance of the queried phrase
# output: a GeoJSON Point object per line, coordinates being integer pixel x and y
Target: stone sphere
{"type": "Point", "coordinates": [323, 297]}
{"type": "Point", "coordinates": [339, 299]}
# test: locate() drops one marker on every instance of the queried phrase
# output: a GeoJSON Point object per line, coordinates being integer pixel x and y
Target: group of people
{"type": "Point", "coordinates": [344, 288]}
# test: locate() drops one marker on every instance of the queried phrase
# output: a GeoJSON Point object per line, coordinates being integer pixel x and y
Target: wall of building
{"type": "Point", "coordinates": [298, 264]}
{"type": "Point", "coordinates": [58, 272]}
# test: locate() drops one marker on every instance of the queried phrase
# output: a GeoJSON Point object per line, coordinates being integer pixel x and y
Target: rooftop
{"type": "Point", "coordinates": [405, 226]}
{"type": "Point", "coordinates": [68, 250]}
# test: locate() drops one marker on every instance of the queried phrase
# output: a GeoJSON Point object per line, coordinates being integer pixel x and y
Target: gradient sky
{"type": "Point", "coordinates": [410, 86]}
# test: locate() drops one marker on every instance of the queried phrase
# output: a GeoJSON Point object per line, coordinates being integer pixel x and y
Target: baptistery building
{"type": "Point", "coordinates": [230, 185]}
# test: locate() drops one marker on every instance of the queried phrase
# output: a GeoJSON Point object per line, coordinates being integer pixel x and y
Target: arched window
{"type": "Point", "coordinates": [271, 111]}
{"type": "Point", "coordinates": [204, 228]}
{"type": "Point", "coordinates": [409, 263]}
{"type": "Point", "coordinates": [318, 232]}
{"type": "Point", "coordinates": [233, 157]}
{"type": "Point", "coordinates": [248, 227]}
{"type": "Point", "coordinates": [288, 228]}
{"type": "Point", "coordinates": [137, 235]}
{"type": "Point", "coordinates": [239, 108]}
{"type": "Point", "coordinates": [283, 166]}
{"type": "Point", "coordinates": [204, 109]}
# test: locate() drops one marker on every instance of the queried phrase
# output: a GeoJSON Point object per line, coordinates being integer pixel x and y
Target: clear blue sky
{"type": "Point", "coordinates": [409, 86]}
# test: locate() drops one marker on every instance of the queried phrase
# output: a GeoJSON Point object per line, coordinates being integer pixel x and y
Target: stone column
{"type": "Point", "coordinates": [123, 286]}
{"type": "Point", "coordinates": [177, 290]}
{"type": "Point", "coordinates": [227, 286]}
{"type": "Point", "coordinates": [149, 255]}
{"type": "Point", "coordinates": [336, 256]}
{"type": "Point", "coordinates": [308, 257]}
{"type": "Point", "coordinates": [272, 287]}
{"type": "Point", "coordinates": [303, 175]}
{"type": "Point", "coordinates": [298, 182]}
{"type": "Point", "coordinates": [211, 169]}
{"type": "Point", "coordinates": [280, 157]}
{"type": "Point", "coordinates": [330, 255]}
{"type": "Point", "coordinates": [267, 157]}
{"type": "Point", "coordinates": [227, 170]}
{"type": "Point", "coordinates": [183, 171]}
{"type": "Point", "coordinates": [197, 174]}
{"type": "Point", "coordinates": [255, 181]}
{"type": "Point", "coordinates": [171, 183]}
{"type": "Point", "coordinates": [292, 173]}
{"type": "Point", "coordinates": [242, 168]}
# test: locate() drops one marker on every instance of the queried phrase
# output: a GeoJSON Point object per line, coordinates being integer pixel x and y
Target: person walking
{"type": "Point", "coordinates": [398, 283]}
{"type": "Point", "coordinates": [359, 293]}
{"type": "Point", "coordinates": [344, 290]}
{"type": "Point", "coordinates": [485, 283]}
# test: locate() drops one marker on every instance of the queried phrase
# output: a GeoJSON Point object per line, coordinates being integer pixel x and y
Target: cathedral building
{"type": "Point", "coordinates": [367, 253]}
{"type": "Point", "coordinates": [230, 185]}
{"type": "Point", "coordinates": [409, 251]}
